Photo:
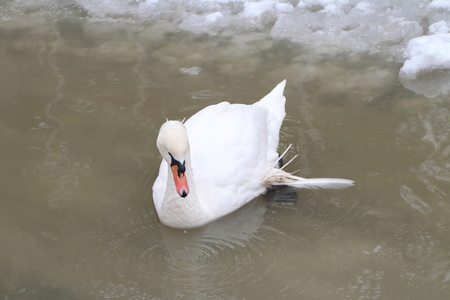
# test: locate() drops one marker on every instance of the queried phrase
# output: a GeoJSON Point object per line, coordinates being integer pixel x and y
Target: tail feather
{"type": "Point", "coordinates": [280, 177]}
{"type": "Point", "coordinates": [322, 183]}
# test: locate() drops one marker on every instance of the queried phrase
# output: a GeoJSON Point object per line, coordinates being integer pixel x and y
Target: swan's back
{"type": "Point", "coordinates": [232, 147]}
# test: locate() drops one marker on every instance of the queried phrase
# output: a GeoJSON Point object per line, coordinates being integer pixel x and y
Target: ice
{"type": "Point", "coordinates": [256, 9]}
{"type": "Point", "coordinates": [428, 53]}
{"type": "Point", "coordinates": [201, 23]}
{"type": "Point", "coordinates": [191, 71]}
{"type": "Point", "coordinates": [396, 29]}
{"type": "Point", "coordinates": [359, 30]}
{"type": "Point", "coordinates": [330, 7]}
{"type": "Point", "coordinates": [426, 56]}
{"type": "Point", "coordinates": [439, 27]}
{"type": "Point", "coordinates": [352, 26]}
{"type": "Point", "coordinates": [440, 4]}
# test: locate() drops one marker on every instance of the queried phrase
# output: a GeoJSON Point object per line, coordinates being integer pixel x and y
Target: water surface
{"type": "Point", "coordinates": [81, 105]}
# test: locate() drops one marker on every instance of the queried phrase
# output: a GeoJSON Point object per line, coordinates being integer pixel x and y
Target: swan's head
{"type": "Point", "coordinates": [173, 144]}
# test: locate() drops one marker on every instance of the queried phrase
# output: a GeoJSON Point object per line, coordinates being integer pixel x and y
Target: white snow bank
{"type": "Point", "coordinates": [439, 27]}
{"type": "Point", "coordinates": [440, 4]}
{"type": "Point", "coordinates": [428, 53]}
{"type": "Point", "coordinates": [427, 66]}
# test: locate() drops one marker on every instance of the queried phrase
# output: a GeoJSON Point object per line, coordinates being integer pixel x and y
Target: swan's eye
{"type": "Point", "coordinates": [181, 166]}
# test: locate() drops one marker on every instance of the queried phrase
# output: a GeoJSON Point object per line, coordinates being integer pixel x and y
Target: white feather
{"type": "Point", "coordinates": [322, 183]}
{"type": "Point", "coordinates": [280, 177]}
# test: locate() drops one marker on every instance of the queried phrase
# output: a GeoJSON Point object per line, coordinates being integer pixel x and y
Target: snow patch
{"type": "Point", "coordinates": [428, 56]}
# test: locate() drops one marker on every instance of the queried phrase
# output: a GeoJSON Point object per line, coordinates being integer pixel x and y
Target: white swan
{"type": "Point", "coordinates": [220, 159]}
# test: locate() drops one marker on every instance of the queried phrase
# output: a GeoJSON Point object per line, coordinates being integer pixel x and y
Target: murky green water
{"type": "Point", "coordinates": [81, 103]}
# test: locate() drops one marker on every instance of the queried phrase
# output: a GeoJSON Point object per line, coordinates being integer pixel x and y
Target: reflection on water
{"type": "Point", "coordinates": [430, 84]}
{"type": "Point", "coordinates": [432, 129]}
{"type": "Point", "coordinates": [81, 105]}
{"type": "Point", "coordinates": [190, 263]}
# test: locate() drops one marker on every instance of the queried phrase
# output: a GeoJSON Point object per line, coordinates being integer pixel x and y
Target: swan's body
{"type": "Point", "coordinates": [220, 159]}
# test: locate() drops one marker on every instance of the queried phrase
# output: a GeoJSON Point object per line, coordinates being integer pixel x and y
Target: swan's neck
{"type": "Point", "coordinates": [181, 212]}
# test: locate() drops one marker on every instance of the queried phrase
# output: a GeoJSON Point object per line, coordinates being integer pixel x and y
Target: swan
{"type": "Point", "coordinates": [221, 158]}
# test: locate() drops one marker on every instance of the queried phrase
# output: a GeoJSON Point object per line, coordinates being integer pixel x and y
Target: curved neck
{"type": "Point", "coordinates": [181, 212]}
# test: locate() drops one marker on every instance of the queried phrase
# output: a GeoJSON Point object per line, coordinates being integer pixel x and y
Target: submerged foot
{"type": "Point", "coordinates": [281, 194]}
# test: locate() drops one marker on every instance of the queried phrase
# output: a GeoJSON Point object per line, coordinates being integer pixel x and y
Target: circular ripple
{"type": "Point", "coordinates": [158, 261]}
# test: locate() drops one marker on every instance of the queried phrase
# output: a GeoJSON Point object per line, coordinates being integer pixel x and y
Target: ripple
{"type": "Point", "coordinates": [155, 260]}
{"type": "Point", "coordinates": [429, 128]}
{"type": "Point", "coordinates": [414, 201]}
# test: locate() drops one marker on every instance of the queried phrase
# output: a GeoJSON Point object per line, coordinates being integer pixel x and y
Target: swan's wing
{"type": "Point", "coordinates": [229, 149]}
{"type": "Point", "coordinates": [274, 104]}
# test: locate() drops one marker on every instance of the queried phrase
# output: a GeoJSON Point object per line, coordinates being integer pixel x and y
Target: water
{"type": "Point", "coordinates": [81, 104]}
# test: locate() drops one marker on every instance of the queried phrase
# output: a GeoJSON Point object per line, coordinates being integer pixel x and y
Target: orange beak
{"type": "Point", "coordinates": [181, 183]}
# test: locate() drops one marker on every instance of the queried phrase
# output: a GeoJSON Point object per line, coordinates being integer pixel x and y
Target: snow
{"type": "Point", "coordinates": [426, 55]}
{"type": "Point", "coordinates": [330, 7]}
{"type": "Point", "coordinates": [324, 25]}
{"type": "Point", "coordinates": [440, 4]}
{"type": "Point", "coordinates": [201, 23]}
{"type": "Point", "coordinates": [397, 29]}
{"type": "Point", "coordinates": [257, 9]}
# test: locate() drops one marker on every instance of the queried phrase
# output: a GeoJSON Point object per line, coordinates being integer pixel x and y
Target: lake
{"type": "Point", "coordinates": [82, 102]}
